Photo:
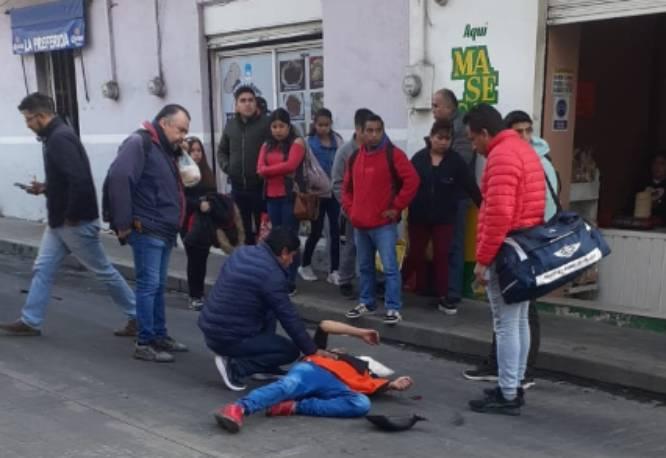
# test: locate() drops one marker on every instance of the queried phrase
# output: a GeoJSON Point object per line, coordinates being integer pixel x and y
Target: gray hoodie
{"type": "Point", "coordinates": [340, 166]}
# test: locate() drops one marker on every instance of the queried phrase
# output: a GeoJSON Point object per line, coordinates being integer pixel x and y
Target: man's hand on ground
{"type": "Point", "coordinates": [369, 336]}
{"type": "Point", "coordinates": [401, 383]}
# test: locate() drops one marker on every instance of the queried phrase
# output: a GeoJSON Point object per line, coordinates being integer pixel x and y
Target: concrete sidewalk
{"type": "Point", "coordinates": [582, 348]}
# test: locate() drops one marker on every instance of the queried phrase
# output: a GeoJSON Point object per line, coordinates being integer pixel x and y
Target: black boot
{"type": "Point", "coordinates": [495, 403]}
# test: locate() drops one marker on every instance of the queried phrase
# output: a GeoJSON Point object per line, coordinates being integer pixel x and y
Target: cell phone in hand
{"type": "Point", "coordinates": [23, 186]}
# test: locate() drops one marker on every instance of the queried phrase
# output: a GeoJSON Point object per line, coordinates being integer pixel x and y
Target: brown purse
{"type": "Point", "coordinates": [306, 206]}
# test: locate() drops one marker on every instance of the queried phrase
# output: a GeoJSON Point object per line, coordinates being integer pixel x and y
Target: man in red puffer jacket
{"type": "Point", "coordinates": [514, 193]}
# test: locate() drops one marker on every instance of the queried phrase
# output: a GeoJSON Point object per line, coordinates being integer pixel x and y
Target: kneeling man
{"type": "Point", "coordinates": [239, 316]}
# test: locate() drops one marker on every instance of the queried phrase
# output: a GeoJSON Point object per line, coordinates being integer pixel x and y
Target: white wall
{"type": "Point", "coordinates": [511, 42]}
{"type": "Point", "coordinates": [103, 122]}
{"type": "Point", "coordinates": [365, 51]}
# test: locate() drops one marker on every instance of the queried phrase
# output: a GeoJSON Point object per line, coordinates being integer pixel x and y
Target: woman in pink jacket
{"type": "Point", "coordinates": [513, 189]}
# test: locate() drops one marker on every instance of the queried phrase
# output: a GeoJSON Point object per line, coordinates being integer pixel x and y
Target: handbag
{"type": "Point", "coordinates": [306, 206]}
{"type": "Point", "coordinates": [536, 261]}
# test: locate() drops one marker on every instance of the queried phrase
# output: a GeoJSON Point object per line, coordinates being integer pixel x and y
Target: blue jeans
{"type": "Point", "coordinates": [318, 393]}
{"type": "Point", "coordinates": [83, 242]}
{"type": "Point", "coordinates": [457, 253]}
{"type": "Point", "coordinates": [151, 262]}
{"type": "Point", "coordinates": [383, 240]}
{"type": "Point", "coordinates": [511, 325]}
{"type": "Point", "coordinates": [281, 213]}
{"type": "Point", "coordinates": [264, 353]}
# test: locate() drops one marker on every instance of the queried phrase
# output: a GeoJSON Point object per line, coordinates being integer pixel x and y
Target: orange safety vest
{"type": "Point", "coordinates": [361, 383]}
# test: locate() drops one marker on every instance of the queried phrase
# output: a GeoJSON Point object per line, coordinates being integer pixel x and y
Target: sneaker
{"type": "Point", "coordinates": [283, 409]}
{"type": "Point", "coordinates": [334, 278]}
{"type": "Point", "coordinates": [169, 344]}
{"type": "Point", "coordinates": [347, 291]}
{"type": "Point", "coordinates": [19, 328]}
{"type": "Point", "coordinates": [230, 417]}
{"type": "Point", "coordinates": [527, 383]}
{"type": "Point", "coordinates": [481, 374]}
{"type": "Point", "coordinates": [196, 304]}
{"type": "Point", "coordinates": [392, 317]}
{"type": "Point", "coordinates": [359, 311]}
{"type": "Point", "coordinates": [447, 307]}
{"type": "Point", "coordinates": [307, 273]}
{"type": "Point", "coordinates": [223, 368]}
{"type": "Point", "coordinates": [131, 329]}
{"type": "Point", "coordinates": [151, 353]}
{"type": "Point", "coordinates": [495, 403]}
{"type": "Point", "coordinates": [520, 395]}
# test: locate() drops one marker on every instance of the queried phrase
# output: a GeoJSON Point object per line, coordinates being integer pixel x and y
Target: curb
{"type": "Point", "coordinates": [314, 309]}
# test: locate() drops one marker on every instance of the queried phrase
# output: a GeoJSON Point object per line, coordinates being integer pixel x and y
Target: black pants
{"type": "Point", "coordinates": [250, 204]}
{"type": "Point", "coordinates": [330, 207]}
{"type": "Point", "coordinates": [535, 340]}
{"type": "Point", "coordinates": [197, 258]}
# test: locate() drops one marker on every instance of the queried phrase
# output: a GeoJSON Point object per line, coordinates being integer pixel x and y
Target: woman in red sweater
{"type": "Point", "coordinates": [280, 160]}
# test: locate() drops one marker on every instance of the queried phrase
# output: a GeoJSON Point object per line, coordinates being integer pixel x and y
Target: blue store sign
{"type": "Point", "coordinates": [48, 27]}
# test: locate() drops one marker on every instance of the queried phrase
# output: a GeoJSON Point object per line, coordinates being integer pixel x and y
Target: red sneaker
{"type": "Point", "coordinates": [230, 417]}
{"type": "Point", "coordinates": [283, 409]}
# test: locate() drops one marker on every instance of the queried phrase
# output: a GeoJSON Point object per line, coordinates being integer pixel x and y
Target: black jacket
{"type": "Point", "coordinates": [238, 151]}
{"type": "Point", "coordinates": [441, 188]}
{"type": "Point", "coordinates": [70, 190]}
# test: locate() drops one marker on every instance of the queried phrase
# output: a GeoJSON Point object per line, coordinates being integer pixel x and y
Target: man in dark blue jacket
{"type": "Point", "coordinates": [146, 206]}
{"type": "Point", "coordinates": [73, 226]}
{"type": "Point", "coordinates": [238, 319]}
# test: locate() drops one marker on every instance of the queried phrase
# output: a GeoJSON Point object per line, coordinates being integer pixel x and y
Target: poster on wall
{"type": "Point", "coordinates": [316, 103]}
{"type": "Point", "coordinates": [316, 72]}
{"type": "Point", "coordinates": [292, 75]}
{"type": "Point", "coordinates": [562, 90]}
{"type": "Point", "coordinates": [254, 70]}
{"type": "Point", "coordinates": [294, 104]}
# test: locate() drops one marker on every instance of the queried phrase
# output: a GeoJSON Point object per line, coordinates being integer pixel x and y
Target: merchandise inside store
{"type": "Point", "coordinates": [604, 112]}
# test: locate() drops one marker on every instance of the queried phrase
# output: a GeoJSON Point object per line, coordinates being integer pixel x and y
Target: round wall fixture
{"type": "Point", "coordinates": [111, 90]}
{"type": "Point", "coordinates": [411, 85]}
{"type": "Point", "coordinates": [157, 87]}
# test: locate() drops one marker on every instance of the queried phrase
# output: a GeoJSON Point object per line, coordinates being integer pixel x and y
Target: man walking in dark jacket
{"type": "Point", "coordinates": [72, 216]}
{"type": "Point", "coordinates": [238, 153]}
{"type": "Point", "coordinates": [147, 207]}
{"type": "Point", "coordinates": [239, 316]}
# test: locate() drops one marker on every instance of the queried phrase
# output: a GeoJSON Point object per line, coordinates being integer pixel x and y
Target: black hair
{"type": "Point", "coordinates": [442, 125]}
{"type": "Point", "coordinates": [484, 116]}
{"type": "Point", "coordinates": [282, 237]}
{"type": "Point", "coordinates": [321, 113]}
{"type": "Point", "coordinates": [516, 117]}
{"type": "Point", "coordinates": [373, 118]}
{"type": "Point", "coordinates": [361, 116]}
{"type": "Point", "coordinates": [244, 90]}
{"type": "Point", "coordinates": [449, 96]}
{"type": "Point", "coordinates": [282, 115]}
{"type": "Point", "coordinates": [169, 110]}
{"type": "Point", "coordinates": [37, 103]}
{"type": "Point", "coordinates": [262, 104]}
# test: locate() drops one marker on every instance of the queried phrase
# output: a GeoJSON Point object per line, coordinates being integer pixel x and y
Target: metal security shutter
{"type": "Point", "coordinates": [568, 11]}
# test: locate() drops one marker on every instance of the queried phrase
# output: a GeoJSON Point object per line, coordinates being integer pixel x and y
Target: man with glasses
{"type": "Point", "coordinates": [73, 226]}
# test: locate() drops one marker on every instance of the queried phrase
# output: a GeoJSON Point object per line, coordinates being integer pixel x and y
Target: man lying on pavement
{"type": "Point", "coordinates": [327, 384]}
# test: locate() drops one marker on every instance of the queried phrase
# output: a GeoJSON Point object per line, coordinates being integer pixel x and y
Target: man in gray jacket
{"type": "Point", "coordinates": [347, 268]}
{"type": "Point", "coordinates": [445, 107]}
{"type": "Point", "coordinates": [238, 153]}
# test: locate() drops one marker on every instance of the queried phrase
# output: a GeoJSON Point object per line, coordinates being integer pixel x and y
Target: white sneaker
{"type": "Point", "coordinates": [334, 278]}
{"type": "Point", "coordinates": [307, 274]}
{"type": "Point", "coordinates": [359, 311]}
{"type": "Point", "coordinates": [222, 367]}
{"type": "Point", "coordinates": [392, 317]}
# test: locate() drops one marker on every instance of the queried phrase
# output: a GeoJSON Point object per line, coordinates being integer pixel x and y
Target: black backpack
{"type": "Point", "coordinates": [146, 142]}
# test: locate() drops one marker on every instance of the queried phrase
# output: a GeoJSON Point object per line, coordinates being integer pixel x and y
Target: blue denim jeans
{"type": "Point", "coordinates": [318, 393]}
{"type": "Point", "coordinates": [510, 322]}
{"type": "Point", "coordinates": [83, 242]}
{"type": "Point", "coordinates": [151, 262]}
{"type": "Point", "coordinates": [281, 213]}
{"type": "Point", "coordinates": [457, 253]}
{"type": "Point", "coordinates": [383, 240]}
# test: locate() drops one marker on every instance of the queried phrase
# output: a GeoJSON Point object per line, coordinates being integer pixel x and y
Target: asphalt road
{"type": "Point", "coordinates": [76, 392]}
